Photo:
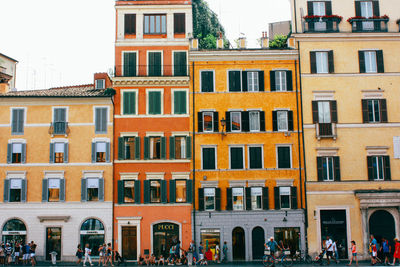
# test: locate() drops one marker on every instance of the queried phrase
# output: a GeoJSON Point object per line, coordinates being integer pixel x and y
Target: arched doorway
{"type": "Point", "coordinates": [92, 233]}
{"type": "Point", "coordinates": [165, 235]}
{"type": "Point", "coordinates": [381, 224]}
{"type": "Point", "coordinates": [238, 244]}
{"type": "Point", "coordinates": [13, 231]}
{"type": "Point", "coordinates": [258, 240]}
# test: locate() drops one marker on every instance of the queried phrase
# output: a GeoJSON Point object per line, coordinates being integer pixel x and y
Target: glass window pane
{"type": "Point", "coordinates": [280, 80]}
{"type": "Point", "coordinates": [209, 198]}
{"type": "Point", "coordinates": [282, 120]}
{"type": "Point", "coordinates": [254, 120]}
{"type": "Point", "coordinates": [163, 24]}
{"type": "Point", "coordinates": [285, 197]}
{"type": "Point", "coordinates": [180, 147]}
{"type": "Point", "coordinates": [235, 121]}
{"type": "Point", "coordinates": [324, 112]}
{"type": "Point", "coordinates": [252, 81]}
{"type": "Point", "coordinates": [322, 62]}
{"type": "Point", "coordinates": [155, 191]}
{"type": "Point", "coordinates": [208, 121]}
{"type": "Point", "coordinates": [152, 26]}
{"type": "Point", "coordinates": [256, 198]}
{"type": "Point", "coordinates": [17, 148]}
{"type": "Point", "coordinates": [146, 24]}
{"type": "Point", "coordinates": [319, 8]}
{"type": "Point", "coordinates": [238, 198]}
{"type": "Point", "coordinates": [129, 191]}
{"type": "Point", "coordinates": [370, 61]}
{"type": "Point", "coordinates": [180, 191]}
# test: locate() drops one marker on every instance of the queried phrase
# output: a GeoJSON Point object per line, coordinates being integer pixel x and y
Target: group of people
{"type": "Point", "coordinates": [18, 253]}
{"type": "Point", "coordinates": [106, 254]}
{"type": "Point", "coordinates": [381, 252]}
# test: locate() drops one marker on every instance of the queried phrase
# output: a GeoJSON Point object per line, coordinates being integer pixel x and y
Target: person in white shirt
{"type": "Point", "coordinates": [88, 251]}
{"type": "Point", "coordinates": [329, 249]}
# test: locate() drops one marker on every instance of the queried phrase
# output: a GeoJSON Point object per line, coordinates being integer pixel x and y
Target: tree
{"type": "Point", "coordinates": [206, 26]}
{"type": "Point", "coordinates": [279, 42]}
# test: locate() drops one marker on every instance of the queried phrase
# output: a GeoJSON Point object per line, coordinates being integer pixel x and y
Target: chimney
{"type": "Point", "coordinates": [4, 88]}
{"type": "Point", "coordinates": [291, 42]}
{"type": "Point", "coordinates": [242, 42]}
{"type": "Point", "coordinates": [194, 44]}
{"type": "Point", "coordinates": [264, 40]}
{"type": "Point", "coordinates": [220, 41]}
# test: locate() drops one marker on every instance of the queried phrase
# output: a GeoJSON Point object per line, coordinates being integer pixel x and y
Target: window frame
{"type": "Point", "coordinates": [243, 199]}
{"type": "Point", "coordinates": [201, 84]}
{"type": "Point", "coordinates": [240, 82]}
{"type": "Point", "coordinates": [287, 120]}
{"type": "Point", "coordinates": [290, 197]}
{"type": "Point", "coordinates": [278, 85]}
{"type": "Point", "coordinates": [123, 61]}
{"type": "Point", "coordinates": [107, 118]}
{"type": "Point", "coordinates": [277, 155]}
{"type": "Point", "coordinates": [20, 192]}
{"type": "Point", "coordinates": [377, 170]}
{"type": "Point", "coordinates": [161, 63]}
{"type": "Point", "coordinates": [133, 198]}
{"type": "Point", "coordinates": [184, 23]}
{"type": "Point", "coordinates": [173, 62]}
{"type": "Point", "coordinates": [184, 149]}
{"type": "Point", "coordinates": [215, 198]}
{"type": "Point", "coordinates": [325, 172]}
{"type": "Point", "coordinates": [231, 112]}
{"type": "Point", "coordinates": [262, 156]}
{"type": "Point", "coordinates": [24, 123]}
{"type": "Point", "coordinates": [161, 90]}
{"type": "Point", "coordinates": [259, 120]}
{"type": "Point", "coordinates": [97, 83]}
{"type": "Point", "coordinates": [12, 152]}
{"type": "Point", "coordinates": [251, 87]}
{"type": "Point", "coordinates": [48, 189]}
{"type": "Point", "coordinates": [98, 189]}
{"type": "Point", "coordinates": [215, 157]}
{"type": "Point", "coordinates": [318, 65]}
{"type": "Point", "coordinates": [173, 101]}
{"type": "Point", "coordinates": [243, 157]}
{"type": "Point", "coordinates": [251, 197]}
{"type": "Point", "coordinates": [155, 24]}
{"type": "Point", "coordinates": [63, 153]}
{"type": "Point", "coordinates": [176, 190]}
{"type": "Point", "coordinates": [160, 190]}
{"type": "Point", "coordinates": [123, 91]}
{"type": "Point", "coordinates": [203, 113]}
{"type": "Point", "coordinates": [374, 59]}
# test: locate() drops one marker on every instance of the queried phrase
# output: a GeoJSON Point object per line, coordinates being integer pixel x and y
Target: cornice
{"type": "Point", "coordinates": [347, 36]}
{"type": "Point", "coordinates": [146, 81]}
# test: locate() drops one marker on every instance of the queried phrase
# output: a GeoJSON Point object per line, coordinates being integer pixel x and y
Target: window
{"type": "Point", "coordinates": [284, 193]}
{"type": "Point", "coordinates": [208, 121]}
{"type": "Point", "coordinates": [328, 169]}
{"type": "Point", "coordinates": [237, 159]}
{"type": "Point", "coordinates": [179, 23]}
{"type": "Point", "coordinates": [238, 198]}
{"type": "Point", "coordinates": [15, 190]}
{"type": "Point", "coordinates": [284, 157]}
{"type": "Point", "coordinates": [129, 103]}
{"type": "Point", "coordinates": [17, 121]}
{"type": "Point", "coordinates": [58, 152]}
{"type": "Point", "coordinates": [256, 198]}
{"type": "Point", "coordinates": [208, 158]}
{"type": "Point", "coordinates": [252, 81]}
{"type": "Point", "coordinates": [155, 147]}
{"type": "Point", "coordinates": [92, 233]}
{"type": "Point", "coordinates": [324, 112]}
{"type": "Point", "coordinates": [378, 168]}
{"type": "Point", "coordinates": [155, 24]}
{"type": "Point", "coordinates": [130, 23]}
{"type": "Point", "coordinates": [100, 151]}
{"type": "Point", "coordinates": [321, 62]}
{"type": "Point", "coordinates": [282, 120]}
{"type": "Point", "coordinates": [371, 61]}
{"type": "Point", "coordinates": [129, 191]}
{"type": "Point", "coordinates": [180, 147]}
{"type": "Point", "coordinates": [101, 119]}
{"type": "Point", "coordinates": [209, 199]}
{"type": "Point", "coordinates": [154, 64]}
{"type": "Point", "coordinates": [180, 102]}
{"type": "Point", "coordinates": [154, 102]}
{"type": "Point", "coordinates": [100, 84]}
{"type": "Point", "coordinates": [367, 12]}
{"type": "Point", "coordinates": [130, 64]}
{"type": "Point", "coordinates": [53, 190]}
{"type": "Point", "coordinates": [235, 81]}
{"type": "Point", "coordinates": [180, 191]}
{"type": "Point", "coordinates": [280, 79]}
{"type": "Point", "coordinates": [59, 121]}
{"type": "Point", "coordinates": [92, 189]}
{"type": "Point", "coordinates": [155, 191]}
{"type": "Point", "coordinates": [236, 121]}
{"type": "Point", "coordinates": [255, 157]}
{"type": "Point", "coordinates": [128, 148]}
{"type": "Point", "coordinates": [319, 10]}
{"type": "Point", "coordinates": [180, 64]}
{"type": "Point", "coordinates": [254, 121]}
{"type": "Point", "coordinates": [17, 153]}
{"type": "Point", "coordinates": [207, 81]}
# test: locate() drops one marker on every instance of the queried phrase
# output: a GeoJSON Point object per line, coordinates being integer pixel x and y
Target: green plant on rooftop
{"type": "Point", "coordinates": [279, 42]}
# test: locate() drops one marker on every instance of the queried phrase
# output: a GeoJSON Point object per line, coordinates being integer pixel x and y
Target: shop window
{"type": "Point", "coordinates": [165, 235]}
{"type": "Point", "coordinates": [92, 233]}
{"type": "Point", "coordinates": [155, 192]}
{"type": "Point", "coordinates": [14, 231]}
{"type": "Point", "coordinates": [209, 199]}
{"type": "Point", "coordinates": [289, 236]}
{"type": "Point", "coordinates": [212, 237]}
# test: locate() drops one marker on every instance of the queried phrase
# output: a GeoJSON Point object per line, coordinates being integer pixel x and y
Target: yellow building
{"type": "Point", "coordinates": [56, 167]}
{"type": "Point", "coordinates": [350, 76]}
{"type": "Point", "coordinates": [246, 149]}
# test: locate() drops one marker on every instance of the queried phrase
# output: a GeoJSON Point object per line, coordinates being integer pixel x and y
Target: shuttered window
{"type": "Point", "coordinates": [154, 102]}
{"type": "Point", "coordinates": [235, 82]}
{"type": "Point", "coordinates": [130, 23]}
{"type": "Point", "coordinates": [371, 61]}
{"type": "Point", "coordinates": [179, 23]}
{"type": "Point", "coordinates": [154, 64]}
{"type": "Point", "coordinates": [180, 147]}
{"type": "Point", "coordinates": [155, 24]}
{"type": "Point", "coordinates": [58, 152]}
{"type": "Point", "coordinates": [128, 148]}
{"type": "Point", "coordinates": [285, 197]}
{"type": "Point", "coordinates": [208, 158]}
{"type": "Point", "coordinates": [101, 119]}
{"type": "Point", "coordinates": [328, 169]}
{"type": "Point", "coordinates": [130, 64]}
{"type": "Point", "coordinates": [92, 189]}
{"type": "Point", "coordinates": [17, 121]}
{"type": "Point", "coordinates": [128, 191]}
{"type": "Point", "coordinates": [129, 103]}
{"type": "Point", "coordinates": [378, 168]}
{"type": "Point", "coordinates": [236, 158]}
{"type": "Point", "coordinates": [322, 62]}
{"type": "Point", "coordinates": [374, 110]}
{"type": "Point", "coordinates": [180, 102]}
{"type": "Point", "coordinates": [284, 157]}
{"type": "Point", "coordinates": [207, 81]}
{"type": "Point", "coordinates": [15, 190]}
{"type": "Point", "coordinates": [100, 152]}
{"type": "Point", "coordinates": [53, 190]}
{"type": "Point", "coordinates": [180, 64]}
{"type": "Point", "coordinates": [154, 147]}
{"type": "Point", "coordinates": [208, 121]}
{"type": "Point", "coordinates": [255, 157]}
{"type": "Point", "coordinates": [16, 153]}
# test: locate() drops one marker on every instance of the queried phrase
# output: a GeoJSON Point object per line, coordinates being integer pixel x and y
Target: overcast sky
{"type": "Point", "coordinates": [60, 42]}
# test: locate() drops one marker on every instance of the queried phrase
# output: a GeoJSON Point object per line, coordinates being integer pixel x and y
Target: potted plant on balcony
{"type": "Point", "coordinates": [323, 18]}
{"type": "Point", "coordinates": [384, 18]}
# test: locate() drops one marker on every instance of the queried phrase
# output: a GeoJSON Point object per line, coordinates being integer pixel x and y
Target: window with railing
{"type": "Point", "coordinates": [368, 18]}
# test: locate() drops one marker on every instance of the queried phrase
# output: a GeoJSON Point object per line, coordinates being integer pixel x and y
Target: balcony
{"type": "Point", "coordinates": [322, 24]}
{"type": "Point", "coordinates": [325, 130]}
{"type": "Point", "coordinates": [151, 71]}
{"type": "Point", "coordinates": [59, 128]}
{"type": "Point", "coordinates": [374, 24]}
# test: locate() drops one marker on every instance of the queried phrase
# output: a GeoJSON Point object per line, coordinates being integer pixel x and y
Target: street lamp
{"type": "Point", "coordinates": [223, 124]}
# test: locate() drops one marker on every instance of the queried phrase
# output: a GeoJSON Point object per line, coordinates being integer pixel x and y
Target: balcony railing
{"type": "Point", "coordinates": [322, 23]}
{"type": "Point", "coordinates": [151, 71]}
{"type": "Point", "coordinates": [359, 24]}
{"type": "Point", "coordinates": [59, 128]}
{"type": "Point", "coordinates": [325, 130]}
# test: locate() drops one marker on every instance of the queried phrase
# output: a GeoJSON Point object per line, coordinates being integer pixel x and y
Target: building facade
{"type": "Point", "coordinates": [349, 54]}
{"type": "Point", "coordinates": [153, 187]}
{"type": "Point", "coordinates": [8, 70]}
{"type": "Point", "coordinates": [246, 164]}
{"type": "Point", "coordinates": [56, 169]}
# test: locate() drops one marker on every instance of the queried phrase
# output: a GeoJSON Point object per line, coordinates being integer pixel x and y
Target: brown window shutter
{"type": "Point", "coordinates": [361, 60]}
{"type": "Point", "coordinates": [358, 8]}
{"type": "Point", "coordinates": [364, 104]}
{"type": "Point", "coordinates": [310, 8]}
{"type": "Point", "coordinates": [375, 6]}
{"type": "Point", "coordinates": [130, 23]}
{"type": "Point", "coordinates": [315, 111]}
{"type": "Point", "coordinates": [370, 168]}
{"type": "Point", "coordinates": [313, 62]}
{"type": "Point", "coordinates": [328, 8]}
{"type": "Point", "coordinates": [330, 62]}
{"type": "Point", "coordinates": [336, 171]}
{"type": "Point", "coordinates": [383, 110]}
{"type": "Point", "coordinates": [179, 23]}
{"type": "Point", "coordinates": [386, 162]}
{"type": "Point", "coordinates": [333, 105]}
{"type": "Point", "coordinates": [320, 169]}
{"type": "Point", "coordinates": [379, 61]}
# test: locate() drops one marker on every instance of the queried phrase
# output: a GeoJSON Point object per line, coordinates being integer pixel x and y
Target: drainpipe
{"type": "Point", "coordinates": [298, 139]}
{"type": "Point", "coordinates": [194, 155]}
{"type": "Point", "coordinates": [112, 194]}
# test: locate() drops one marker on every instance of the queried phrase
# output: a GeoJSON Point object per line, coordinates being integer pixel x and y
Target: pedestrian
{"type": "Point", "coordinates": [335, 251]}
{"type": "Point", "coordinates": [17, 252]}
{"type": "Point", "coordinates": [373, 249]}
{"type": "Point", "coordinates": [88, 251]}
{"type": "Point", "coordinates": [396, 254]}
{"type": "Point", "coordinates": [108, 255]}
{"type": "Point", "coordinates": [217, 254]}
{"type": "Point", "coordinates": [8, 252]}
{"type": "Point", "coordinates": [117, 258]}
{"type": "Point", "coordinates": [25, 254]}
{"type": "Point", "coordinates": [32, 252]}
{"type": "Point", "coordinates": [201, 253]}
{"type": "Point", "coordinates": [102, 254]}
{"type": "Point", "coordinates": [353, 250]}
{"type": "Point", "coordinates": [225, 252]}
{"type": "Point", "coordinates": [2, 254]}
{"type": "Point", "coordinates": [385, 248]}
{"type": "Point", "coordinates": [190, 252]}
{"type": "Point", "coordinates": [329, 249]}
{"type": "Point", "coordinates": [79, 254]}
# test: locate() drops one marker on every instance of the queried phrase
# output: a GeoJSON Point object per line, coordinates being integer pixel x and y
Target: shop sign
{"type": "Point", "coordinates": [14, 232]}
{"type": "Point", "coordinates": [166, 227]}
{"type": "Point", "coordinates": [93, 232]}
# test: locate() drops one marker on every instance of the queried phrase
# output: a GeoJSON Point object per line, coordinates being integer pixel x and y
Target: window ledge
{"type": "Point", "coordinates": [154, 204]}
{"type": "Point", "coordinates": [154, 161]}
{"type": "Point", "coordinates": [54, 218]}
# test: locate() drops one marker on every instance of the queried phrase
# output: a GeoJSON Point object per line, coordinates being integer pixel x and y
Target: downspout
{"type": "Point", "coordinates": [194, 154]}
{"type": "Point", "coordinates": [298, 138]}
{"type": "Point", "coordinates": [112, 195]}
{"type": "Point", "coordinates": [304, 155]}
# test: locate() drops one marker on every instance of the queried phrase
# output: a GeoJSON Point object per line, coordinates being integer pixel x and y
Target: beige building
{"type": "Point", "coordinates": [8, 69]}
{"type": "Point", "coordinates": [350, 76]}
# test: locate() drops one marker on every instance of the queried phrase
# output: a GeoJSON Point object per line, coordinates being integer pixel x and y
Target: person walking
{"type": "Point", "coordinates": [108, 256]}
{"type": "Point", "coordinates": [385, 248]}
{"type": "Point", "coordinates": [190, 252]}
{"type": "Point", "coordinates": [353, 250]}
{"type": "Point", "coordinates": [79, 254]}
{"type": "Point", "coordinates": [88, 251]}
{"type": "Point", "coordinates": [373, 249]}
{"type": "Point", "coordinates": [329, 249]}
{"type": "Point", "coordinates": [32, 252]}
{"type": "Point", "coordinates": [396, 254]}
{"type": "Point", "coordinates": [225, 252]}
{"type": "Point", "coordinates": [17, 252]}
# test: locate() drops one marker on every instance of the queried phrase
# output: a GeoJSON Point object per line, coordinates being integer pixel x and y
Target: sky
{"type": "Point", "coordinates": [61, 43]}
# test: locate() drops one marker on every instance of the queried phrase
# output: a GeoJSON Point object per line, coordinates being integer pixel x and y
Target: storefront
{"type": "Point", "coordinates": [14, 231]}
{"type": "Point", "coordinates": [210, 239]}
{"type": "Point", "coordinates": [165, 235]}
{"type": "Point", "coordinates": [334, 225]}
{"type": "Point", "coordinates": [92, 233]}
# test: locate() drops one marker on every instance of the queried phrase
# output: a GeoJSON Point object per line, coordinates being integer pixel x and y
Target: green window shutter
{"type": "Point", "coordinates": [93, 152]}
{"type": "Point", "coordinates": [289, 80]}
{"type": "Point", "coordinates": [121, 148]}
{"type": "Point", "coordinates": [51, 152]}
{"type": "Point", "coordinates": [234, 81]}
{"type": "Point", "coordinates": [201, 199]}
{"type": "Point", "coordinates": [180, 102]}
{"type": "Point", "coordinates": [146, 192]}
{"type": "Point", "coordinates": [62, 190]}
{"type": "Point", "coordinates": [248, 198]}
{"type": "Point", "coordinates": [9, 153]}
{"type": "Point", "coordinates": [44, 190]}
{"type": "Point", "coordinates": [146, 147]}
{"type": "Point", "coordinates": [265, 197]}
{"type": "Point", "coordinates": [261, 82]}
{"type": "Point", "coordinates": [108, 152]}
{"type": "Point", "coordinates": [121, 184]}
{"type": "Point", "coordinates": [163, 148]}
{"type": "Point", "coordinates": [14, 121]}
{"type": "Point", "coordinates": [180, 64]}
{"type": "Point", "coordinates": [189, 191]}
{"type": "Point", "coordinates": [276, 197]}
{"type": "Point", "coordinates": [154, 103]}
{"type": "Point", "coordinates": [23, 154]}
{"type": "Point", "coordinates": [244, 81]}
{"type": "Point", "coordinates": [336, 163]}
{"type": "Point", "coordinates": [370, 168]}
{"type": "Point", "coordinates": [129, 64]}
{"type": "Point", "coordinates": [97, 120]}
{"type": "Point", "coordinates": [83, 190]}
{"type": "Point", "coordinates": [229, 202]}
{"type": "Point", "coordinates": [137, 191]}
{"type": "Point", "coordinates": [217, 199]}
{"type": "Point", "coordinates": [188, 147]}
{"type": "Point", "coordinates": [101, 189]}
{"type": "Point", "coordinates": [137, 148]}
{"type": "Point", "coordinates": [171, 147]}
{"type": "Point", "coordinates": [236, 158]}
{"type": "Point", "coordinates": [172, 191]}
{"type": "Point", "coordinates": [6, 190]}
{"type": "Point", "coordinates": [157, 102]}
{"type": "Point", "coordinates": [293, 196]}
{"type": "Point", "coordinates": [23, 190]}
{"type": "Point", "coordinates": [163, 191]}
{"type": "Point", "coordinates": [275, 121]}
{"type": "Point", "coordinates": [129, 103]}
{"type": "Point", "coordinates": [386, 162]}
{"type": "Point", "coordinates": [66, 152]}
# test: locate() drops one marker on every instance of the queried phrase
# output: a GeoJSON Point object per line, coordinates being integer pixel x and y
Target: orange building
{"type": "Point", "coordinates": [152, 185]}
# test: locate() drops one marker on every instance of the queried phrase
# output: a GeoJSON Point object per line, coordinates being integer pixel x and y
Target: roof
{"type": "Point", "coordinates": [8, 57]}
{"type": "Point", "coordinates": [87, 90]}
